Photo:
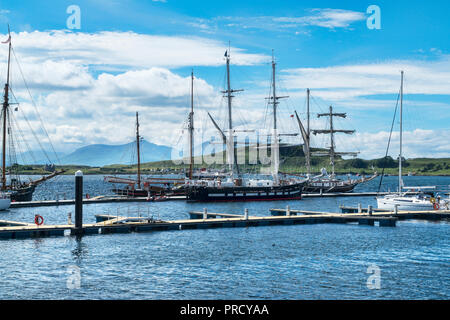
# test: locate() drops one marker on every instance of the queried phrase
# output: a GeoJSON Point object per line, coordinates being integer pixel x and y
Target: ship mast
{"type": "Point", "coordinates": [5, 114]}
{"type": "Point", "coordinates": [232, 161]}
{"type": "Point", "coordinates": [275, 148]}
{"type": "Point", "coordinates": [401, 137]}
{"type": "Point", "coordinates": [191, 128]}
{"type": "Point", "coordinates": [138, 152]}
{"type": "Point", "coordinates": [308, 134]}
{"type": "Point", "coordinates": [332, 152]}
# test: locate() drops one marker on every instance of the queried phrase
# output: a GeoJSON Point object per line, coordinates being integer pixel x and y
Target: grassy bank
{"type": "Point", "coordinates": [292, 164]}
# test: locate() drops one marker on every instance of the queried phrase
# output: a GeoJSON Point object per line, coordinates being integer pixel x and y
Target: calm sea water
{"type": "Point", "coordinates": [279, 262]}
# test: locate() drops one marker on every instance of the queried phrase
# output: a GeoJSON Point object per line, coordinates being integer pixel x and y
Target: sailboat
{"type": "Point", "coordinates": [15, 189]}
{"type": "Point", "coordinates": [236, 187]}
{"type": "Point", "coordinates": [142, 187]}
{"type": "Point", "coordinates": [425, 199]}
{"type": "Point", "coordinates": [326, 183]}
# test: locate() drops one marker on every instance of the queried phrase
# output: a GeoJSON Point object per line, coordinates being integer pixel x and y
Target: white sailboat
{"type": "Point", "coordinates": [424, 200]}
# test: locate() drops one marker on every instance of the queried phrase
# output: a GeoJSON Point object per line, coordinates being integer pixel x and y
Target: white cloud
{"type": "Point", "coordinates": [326, 18]}
{"type": "Point", "coordinates": [417, 143]}
{"type": "Point", "coordinates": [125, 50]}
{"type": "Point", "coordinates": [88, 86]}
{"type": "Point", "coordinates": [351, 81]}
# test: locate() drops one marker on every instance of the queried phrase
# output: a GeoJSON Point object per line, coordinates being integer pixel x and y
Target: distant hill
{"type": "Point", "coordinates": [98, 155]}
{"type": "Point", "coordinates": [36, 157]}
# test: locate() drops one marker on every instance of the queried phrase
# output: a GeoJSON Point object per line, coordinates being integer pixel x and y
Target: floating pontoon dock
{"type": "Point", "coordinates": [117, 224]}
{"type": "Point", "coordinates": [111, 199]}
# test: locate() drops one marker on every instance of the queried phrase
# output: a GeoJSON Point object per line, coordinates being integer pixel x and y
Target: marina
{"type": "Point", "coordinates": [198, 220]}
{"type": "Point", "coordinates": [159, 150]}
{"type": "Point", "coordinates": [107, 224]}
{"type": "Point", "coordinates": [111, 199]}
{"type": "Point", "coordinates": [208, 246]}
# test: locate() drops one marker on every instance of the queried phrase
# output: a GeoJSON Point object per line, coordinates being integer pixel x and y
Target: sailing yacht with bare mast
{"type": "Point", "coordinates": [424, 200]}
{"type": "Point", "coordinates": [141, 186]}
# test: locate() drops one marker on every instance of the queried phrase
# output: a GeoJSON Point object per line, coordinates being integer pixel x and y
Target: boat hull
{"type": "Point", "coordinates": [131, 193]}
{"type": "Point", "coordinates": [139, 193]}
{"type": "Point", "coordinates": [329, 189]}
{"type": "Point", "coordinates": [404, 205]}
{"type": "Point", "coordinates": [23, 194]}
{"type": "Point", "coordinates": [227, 194]}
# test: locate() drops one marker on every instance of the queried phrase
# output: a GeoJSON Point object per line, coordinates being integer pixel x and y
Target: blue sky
{"type": "Point", "coordinates": [325, 45]}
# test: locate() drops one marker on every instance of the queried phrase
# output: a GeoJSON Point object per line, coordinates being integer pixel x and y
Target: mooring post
{"type": "Point", "coordinates": [205, 213]}
{"type": "Point", "coordinates": [369, 210]}
{"type": "Point", "coordinates": [359, 207]}
{"type": "Point", "coordinates": [78, 202]}
{"type": "Point", "coordinates": [246, 214]}
{"type": "Point", "coordinates": [288, 210]}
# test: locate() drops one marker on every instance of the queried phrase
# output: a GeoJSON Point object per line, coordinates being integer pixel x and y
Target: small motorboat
{"type": "Point", "coordinates": [5, 201]}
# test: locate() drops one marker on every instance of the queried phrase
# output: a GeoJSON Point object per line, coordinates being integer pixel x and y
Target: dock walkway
{"type": "Point", "coordinates": [119, 199]}
{"type": "Point", "coordinates": [114, 224]}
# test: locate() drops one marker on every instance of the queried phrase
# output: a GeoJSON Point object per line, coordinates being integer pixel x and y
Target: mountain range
{"type": "Point", "coordinates": [98, 155]}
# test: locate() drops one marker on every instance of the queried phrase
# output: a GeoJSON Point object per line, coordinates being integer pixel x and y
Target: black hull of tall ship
{"type": "Point", "coordinates": [225, 194]}
{"type": "Point", "coordinates": [22, 194]}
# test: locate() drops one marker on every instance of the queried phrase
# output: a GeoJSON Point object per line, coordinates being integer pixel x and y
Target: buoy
{"type": "Point", "coordinates": [436, 206]}
{"type": "Point", "coordinates": [38, 220]}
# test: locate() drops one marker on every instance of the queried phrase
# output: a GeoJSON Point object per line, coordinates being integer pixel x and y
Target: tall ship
{"type": "Point", "coordinates": [13, 186]}
{"type": "Point", "coordinates": [236, 187]}
{"type": "Point", "coordinates": [326, 183]}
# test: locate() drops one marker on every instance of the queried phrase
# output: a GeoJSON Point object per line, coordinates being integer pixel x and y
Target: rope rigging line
{"type": "Point", "coordinates": [32, 131]}
{"type": "Point", "coordinates": [389, 142]}
{"type": "Point", "coordinates": [14, 123]}
{"type": "Point", "coordinates": [35, 107]}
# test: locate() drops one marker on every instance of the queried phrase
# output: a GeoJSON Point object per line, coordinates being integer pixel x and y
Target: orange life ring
{"type": "Point", "coordinates": [436, 206]}
{"type": "Point", "coordinates": [38, 220]}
